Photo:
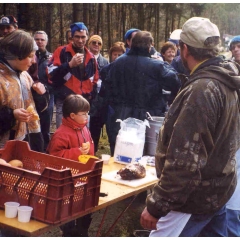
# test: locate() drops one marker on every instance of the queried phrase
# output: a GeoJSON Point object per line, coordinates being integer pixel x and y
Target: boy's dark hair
{"type": "Point", "coordinates": [74, 103]}
{"type": "Point", "coordinates": [17, 44]}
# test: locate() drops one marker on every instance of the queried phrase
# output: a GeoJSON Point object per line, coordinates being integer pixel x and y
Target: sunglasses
{"type": "Point", "coordinates": [98, 43]}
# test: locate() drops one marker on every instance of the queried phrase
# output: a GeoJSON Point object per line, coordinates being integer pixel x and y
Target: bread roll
{"type": "Point", "coordinates": [3, 162]}
{"type": "Point", "coordinates": [16, 163]}
{"type": "Point", "coordinates": [30, 109]}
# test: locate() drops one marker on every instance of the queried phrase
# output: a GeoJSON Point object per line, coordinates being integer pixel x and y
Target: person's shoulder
{"type": "Point", "coordinates": [58, 50]}
{"type": "Point", "coordinates": [62, 131]}
{"type": "Point", "coordinates": [105, 68]}
{"type": "Point", "coordinates": [103, 59]}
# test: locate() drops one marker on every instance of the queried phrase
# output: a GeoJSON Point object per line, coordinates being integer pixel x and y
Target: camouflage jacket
{"type": "Point", "coordinates": [195, 156]}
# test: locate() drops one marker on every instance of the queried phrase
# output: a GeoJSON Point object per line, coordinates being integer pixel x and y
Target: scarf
{"type": "Point", "coordinates": [72, 124]}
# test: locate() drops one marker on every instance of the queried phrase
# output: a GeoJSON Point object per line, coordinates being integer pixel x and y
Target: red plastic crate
{"type": "Point", "coordinates": [63, 188]}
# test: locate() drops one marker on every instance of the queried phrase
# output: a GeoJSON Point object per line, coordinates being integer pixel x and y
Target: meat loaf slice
{"type": "Point", "coordinates": [132, 171]}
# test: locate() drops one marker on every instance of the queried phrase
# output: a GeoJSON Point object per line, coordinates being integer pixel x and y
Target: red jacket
{"type": "Point", "coordinates": [68, 80]}
{"type": "Point", "coordinates": [67, 140]}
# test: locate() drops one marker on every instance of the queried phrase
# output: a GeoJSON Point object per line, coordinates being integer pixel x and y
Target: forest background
{"type": "Point", "coordinates": [112, 20]}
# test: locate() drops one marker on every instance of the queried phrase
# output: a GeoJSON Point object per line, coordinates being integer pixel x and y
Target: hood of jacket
{"type": "Point", "coordinates": [224, 71]}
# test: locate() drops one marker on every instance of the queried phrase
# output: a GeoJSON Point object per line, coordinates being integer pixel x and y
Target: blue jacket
{"type": "Point", "coordinates": [135, 83]}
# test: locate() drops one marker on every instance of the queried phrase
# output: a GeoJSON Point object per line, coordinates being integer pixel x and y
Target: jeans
{"type": "Point", "coordinates": [206, 225]}
{"type": "Point", "coordinates": [59, 114]}
{"type": "Point", "coordinates": [233, 222]}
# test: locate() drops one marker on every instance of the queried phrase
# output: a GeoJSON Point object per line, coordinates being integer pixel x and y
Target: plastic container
{"type": "Point", "coordinates": [63, 188]}
{"type": "Point", "coordinates": [24, 213]}
{"type": "Point", "coordinates": [105, 158]}
{"type": "Point", "coordinates": [152, 135]}
{"type": "Point", "coordinates": [143, 161]}
{"type": "Point", "coordinates": [11, 209]}
{"type": "Point", "coordinates": [130, 140]}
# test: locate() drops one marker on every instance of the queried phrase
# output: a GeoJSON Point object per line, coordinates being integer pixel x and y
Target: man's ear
{"type": "Point", "coordinates": [184, 50]}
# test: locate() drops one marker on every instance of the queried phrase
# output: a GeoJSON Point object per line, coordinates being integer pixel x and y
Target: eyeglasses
{"type": "Point", "coordinates": [78, 37]}
{"type": "Point", "coordinates": [39, 39]}
{"type": "Point", "coordinates": [83, 114]}
{"type": "Point", "coordinates": [98, 43]}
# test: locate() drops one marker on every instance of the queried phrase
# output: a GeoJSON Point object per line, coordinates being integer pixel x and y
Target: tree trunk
{"type": "Point", "coordinates": [157, 9]}
{"type": "Point", "coordinates": [23, 15]}
{"type": "Point", "coordinates": [123, 20]}
{"type": "Point", "coordinates": [140, 16]}
{"type": "Point", "coordinates": [61, 25]}
{"type": "Point", "coordinates": [109, 26]}
{"type": "Point", "coordinates": [99, 17]}
{"type": "Point", "coordinates": [86, 14]}
{"type": "Point", "coordinates": [166, 23]}
{"type": "Point", "coordinates": [77, 11]}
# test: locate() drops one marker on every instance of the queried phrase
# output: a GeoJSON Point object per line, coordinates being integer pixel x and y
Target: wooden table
{"type": "Point", "coordinates": [116, 192]}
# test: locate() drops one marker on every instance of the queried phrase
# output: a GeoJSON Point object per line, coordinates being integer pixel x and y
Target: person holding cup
{"type": "Point", "coordinates": [73, 70]}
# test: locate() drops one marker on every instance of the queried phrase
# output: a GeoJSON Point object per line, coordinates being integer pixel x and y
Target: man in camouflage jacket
{"type": "Point", "coordinates": [195, 156]}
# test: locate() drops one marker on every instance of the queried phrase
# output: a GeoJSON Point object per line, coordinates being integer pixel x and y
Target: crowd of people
{"type": "Point", "coordinates": [187, 82]}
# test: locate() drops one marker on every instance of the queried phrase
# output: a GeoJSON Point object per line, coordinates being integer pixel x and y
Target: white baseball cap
{"type": "Point", "coordinates": [197, 30]}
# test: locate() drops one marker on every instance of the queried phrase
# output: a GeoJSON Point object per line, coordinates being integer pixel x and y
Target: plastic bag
{"type": "Point", "coordinates": [130, 140]}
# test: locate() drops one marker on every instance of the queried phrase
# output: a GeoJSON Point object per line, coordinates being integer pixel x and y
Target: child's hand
{"type": "Point", "coordinates": [84, 151]}
{"type": "Point", "coordinates": [85, 148]}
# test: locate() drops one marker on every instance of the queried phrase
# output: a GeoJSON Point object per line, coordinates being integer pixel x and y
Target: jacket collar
{"type": "Point", "coordinates": [72, 124]}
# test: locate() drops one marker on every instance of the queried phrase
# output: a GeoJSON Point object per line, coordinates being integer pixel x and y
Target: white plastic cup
{"type": "Point", "coordinates": [11, 209]}
{"type": "Point", "coordinates": [143, 161]}
{"type": "Point", "coordinates": [24, 213]}
{"type": "Point", "coordinates": [105, 158]}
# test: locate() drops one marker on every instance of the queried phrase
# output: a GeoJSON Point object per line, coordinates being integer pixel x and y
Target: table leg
{"type": "Point", "coordinates": [114, 223]}
{"type": "Point", "coordinates": [101, 223]}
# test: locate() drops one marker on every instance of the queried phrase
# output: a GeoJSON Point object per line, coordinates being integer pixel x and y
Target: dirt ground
{"type": "Point", "coordinates": [129, 221]}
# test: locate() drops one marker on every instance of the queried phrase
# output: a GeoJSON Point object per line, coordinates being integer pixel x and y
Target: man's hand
{"type": "Point", "coordinates": [148, 221]}
{"type": "Point", "coordinates": [76, 60]}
